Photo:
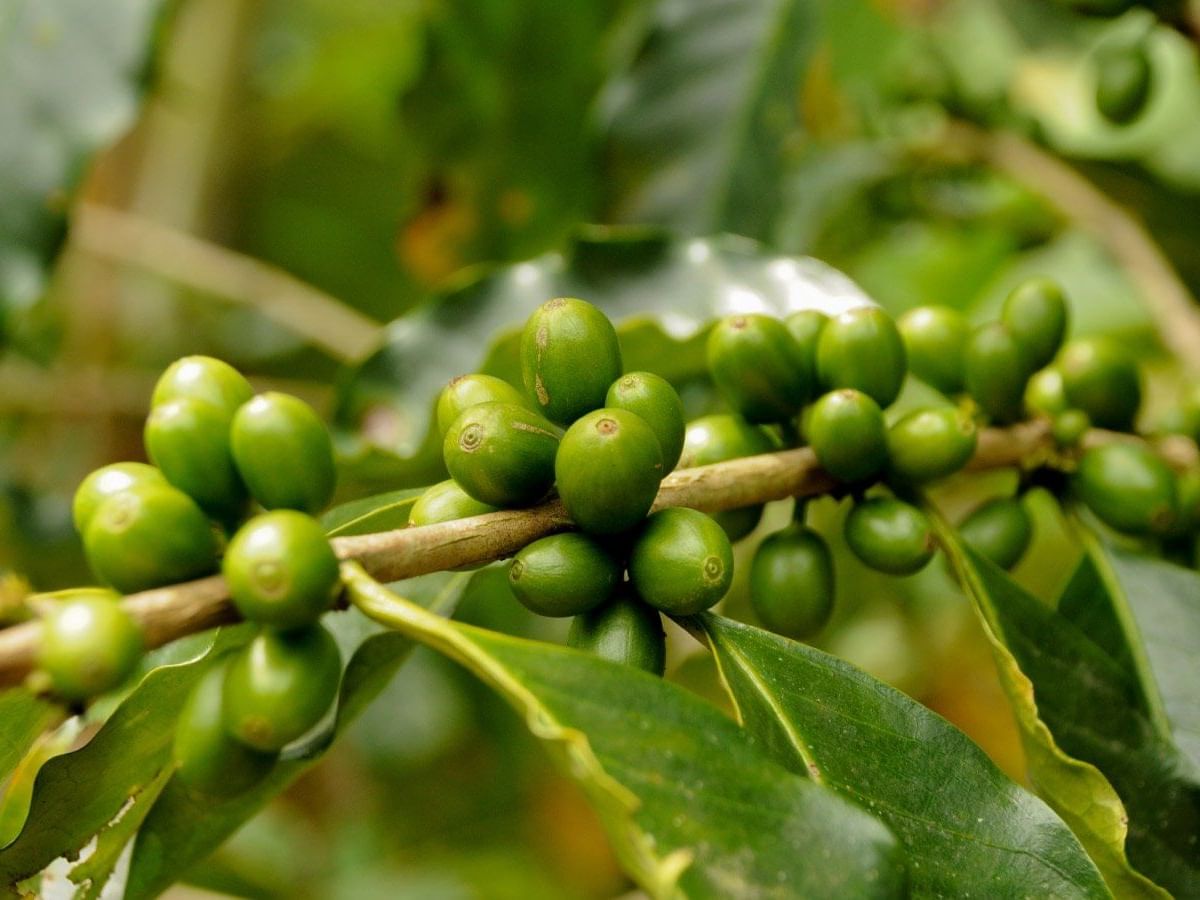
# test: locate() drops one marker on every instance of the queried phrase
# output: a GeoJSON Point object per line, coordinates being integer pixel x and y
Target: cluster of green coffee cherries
{"type": "Point", "coordinates": [235, 482]}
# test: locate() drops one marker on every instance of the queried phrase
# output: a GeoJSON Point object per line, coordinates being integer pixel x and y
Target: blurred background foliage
{"type": "Point", "coordinates": [397, 157]}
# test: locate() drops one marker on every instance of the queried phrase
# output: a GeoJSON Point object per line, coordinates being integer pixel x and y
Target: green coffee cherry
{"type": "Point", "coordinates": [847, 433]}
{"type": "Point", "coordinates": [1035, 314]}
{"type": "Point", "coordinates": [608, 469]}
{"type": "Point", "coordinates": [1045, 394]}
{"type": "Point", "coordinates": [682, 562]}
{"type": "Point", "coordinates": [1124, 77]}
{"type": "Point", "coordinates": [1187, 490]}
{"type": "Point", "coordinates": [930, 443]}
{"type": "Point", "coordinates": [150, 535]}
{"type": "Point", "coordinates": [188, 440]}
{"type": "Point", "coordinates": [89, 644]}
{"type": "Point", "coordinates": [652, 397]}
{"type": "Point", "coordinates": [466, 391]}
{"type": "Point", "coordinates": [1069, 427]}
{"type": "Point", "coordinates": [281, 569]}
{"type": "Point", "coordinates": [446, 502]}
{"type": "Point", "coordinates": [1128, 487]}
{"type": "Point", "coordinates": [934, 338]}
{"type": "Point", "coordinates": [862, 349]}
{"type": "Point", "coordinates": [758, 367]}
{"type": "Point", "coordinates": [890, 535]}
{"type": "Point", "coordinates": [203, 378]}
{"type": "Point", "coordinates": [791, 582]}
{"type": "Point", "coordinates": [995, 372]}
{"type": "Point", "coordinates": [501, 454]}
{"type": "Point", "coordinates": [280, 685]}
{"type": "Point", "coordinates": [207, 759]}
{"type": "Point", "coordinates": [717, 438]}
{"type": "Point", "coordinates": [569, 357]}
{"type": "Point", "coordinates": [999, 530]}
{"type": "Point", "coordinates": [564, 575]}
{"type": "Point", "coordinates": [806, 327]}
{"type": "Point", "coordinates": [1101, 378]}
{"type": "Point", "coordinates": [106, 481]}
{"type": "Point", "coordinates": [624, 631]}
{"type": "Point", "coordinates": [284, 453]}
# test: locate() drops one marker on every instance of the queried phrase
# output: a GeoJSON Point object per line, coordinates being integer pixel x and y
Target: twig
{"type": "Point", "coordinates": [1166, 296]}
{"type": "Point", "coordinates": [131, 240]}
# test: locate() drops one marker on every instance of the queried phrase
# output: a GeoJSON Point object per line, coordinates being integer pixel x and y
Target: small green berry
{"type": "Point", "coordinates": [758, 367]}
{"type": "Point", "coordinates": [1045, 394]}
{"type": "Point", "coordinates": [1101, 377]}
{"type": "Point", "coordinates": [862, 349]}
{"type": "Point", "coordinates": [999, 530]}
{"type": "Point", "coordinates": [203, 378]}
{"type": "Point", "coordinates": [564, 575]}
{"type": "Point", "coordinates": [682, 562]}
{"type": "Point", "coordinates": [934, 338]}
{"type": "Point", "coordinates": [188, 440]}
{"type": "Point", "coordinates": [569, 357]}
{"type": "Point", "coordinates": [89, 644]}
{"type": "Point", "coordinates": [1128, 487]}
{"type": "Point", "coordinates": [466, 391]}
{"type": "Point", "coordinates": [792, 582]}
{"type": "Point", "coordinates": [890, 535]}
{"type": "Point", "coordinates": [284, 453]}
{"type": "Point", "coordinates": [501, 454]}
{"type": "Point", "coordinates": [1124, 77]}
{"type": "Point", "coordinates": [106, 481]}
{"type": "Point", "coordinates": [806, 327]}
{"type": "Point", "coordinates": [624, 631]}
{"type": "Point", "coordinates": [1035, 314]}
{"type": "Point", "coordinates": [717, 438]}
{"type": "Point", "coordinates": [928, 444]}
{"type": "Point", "coordinates": [652, 397]}
{"type": "Point", "coordinates": [848, 435]}
{"type": "Point", "coordinates": [995, 372]}
{"type": "Point", "coordinates": [1069, 427]}
{"type": "Point", "coordinates": [446, 502]}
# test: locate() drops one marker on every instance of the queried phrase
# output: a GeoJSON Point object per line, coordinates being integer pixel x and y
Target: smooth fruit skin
{"type": "Point", "coordinates": [806, 327]}
{"type": "Point", "coordinates": [1045, 394]}
{"type": "Point", "coordinates": [150, 535]}
{"type": "Point", "coordinates": [624, 631]}
{"type": "Point", "coordinates": [89, 644]}
{"type": "Point", "coordinates": [847, 432]}
{"type": "Point", "coordinates": [717, 438]}
{"type": "Point", "coordinates": [1128, 487]}
{"type": "Point", "coordinates": [792, 582]}
{"type": "Point", "coordinates": [208, 760]}
{"type": "Point", "coordinates": [501, 454]}
{"type": "Point", "coordinates": [682, 562]}
{"type": "Point", "coordinates": [1101, 378]}
{"type": "Point", "coordinates": [890, 535]}
{"type": "Point", "coordinates": [188, 440]}
{"type": "Point", "coordinates": [202, 378]}
{"type": "Point", "coordinates": [284, 453]}
{"type": "Point", "coordinates": [608, 469]}
{"type": "Point", "coordinates": [995, 372]}
{"type": "Point", "coordinates": [569, 357]}
{"type": "Point", "coordinates": [1035, 314]}
{"type": "Point", "coordinates": [446, 502]}
{"type": "Point", "coordinates": [466, 391]}
{"type": "Point", "coordinates": [934, 338]}
{"type": "Point", "coordinates": [862, 349]}
{"type": "Point", "coordinates": [106, 481]}
{"type": "Point", "coordinates": [930, 443]}
{"type": "Point", "coordinates": [281, 569]}
{"type": "Point", "coordinates": [999, 530]}
{"type": "Point", "coordinates": [656, 401]}
{"type": "Point", "coordinates": [1124, 77]}
{"type": "Point", "coordinates": [758, 367]}
{"type": "Point", "coordinates": [1069, 427]}
{"type": "Point", "coordinates": [564, 575]}
{"type": "Point", "coordinates": [280, 685]}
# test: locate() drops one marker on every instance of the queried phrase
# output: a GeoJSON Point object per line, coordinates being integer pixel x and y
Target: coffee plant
{"type": "Point", "coordinates": [817, 516]}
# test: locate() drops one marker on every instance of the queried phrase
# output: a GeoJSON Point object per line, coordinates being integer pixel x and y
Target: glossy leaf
{"type": "Point", "coordinates": [25, 717]}
{"type": "Point", "coordinates": [381, 512]}
{"type": "Point", "coordinates": [965, 826]}
{"type": "Point", "coordinates": [691, 807]}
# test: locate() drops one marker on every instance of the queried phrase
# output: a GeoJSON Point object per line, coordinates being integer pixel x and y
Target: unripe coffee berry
{"type": "Point", "coordinates": [1128, 487]}
{"type": "Point", "coordinates": [106, 481]}
{"type": "Point", "coordinates": [934, 339]}
{"type": "Point", "coordinates": [208, 760]}
{"type": "Point", "coordinates": [203, 378]}
{"type": "Point", "coordinates": [1101, 378]}
{"type": "Point", "coordinates": [608, 469]}
{"type": "Point", "coordinates": [564, 575]}
{"type": "Point", "coordinates": [569, 357]}
{"type": "Point", "coordinates": [501, 454]}
{"type": "Point", "coordinates": [1124, 77]}
{"type": "Point", "coordinates": [847, 433]}
{"type": "Point", "coordinates": [150, 535]}
{"type": "Point", "coordinates": [862, 349]}
{"type": "Point", "coordinates": [624, 631]}
{"type": "Point", "coordinates": [446, 502]}
{"type": "Point", "coordinates": [999, 530]}
{"type": "Point", "coordinates": [995, 371]}
{"type": "Point", "coordinates": [284, 453]}
{"type": "Point", "coordinates": [890, 536]}
{"type": "Point", "coordinates": [930, 443]}
{"type": "Point", "coordinates": [466, 391]}
{"type": "Point", "coordinates": [652, 397]}
{"type": "Point", "coordinates": [717, 438]}
{"type": "Point", "coordinates": [1069, 427]}
{"type": "Point", "coordinates": [1035, 314]}
{"type": "Point", "coordinates": [280, 685]}
{"type": "Point", "coordinates": [758, 367]}
{"type": "Point", "coordinates": [682, 562]}
{"type": "Point", "coordinates": [188, 440]}
{"type": "Point", "coordinates": [792, 582]}
{"type": "Point", "coordinates": [89, 644]}
{"type": "Point", "coordinates": [281, 569]}
{"type": "Point", "coordinates": [1045, 394]}
{"type": "Point", "coordinates": [806, 327]}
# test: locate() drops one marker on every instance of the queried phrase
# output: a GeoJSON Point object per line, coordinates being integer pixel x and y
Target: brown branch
{"type": "Point", "coordinates": [172, 612]}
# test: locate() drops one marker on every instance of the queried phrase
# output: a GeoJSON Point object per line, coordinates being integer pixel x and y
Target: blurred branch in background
{"type": "Point", "coordinates": [129, 240]}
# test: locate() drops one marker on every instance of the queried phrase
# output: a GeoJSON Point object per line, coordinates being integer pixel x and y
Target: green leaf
{"type": "Point", "coordinates": [25, 717]}
{"type": "Point", "coordinates": [382, 512]}
{"type": "Point", "coordinates": [965, 826]}
{"type": "Point", "coordinates": [1093, 755]}
{"type": "Point", "coordinates": [70, 79]}
{"type": "Point", "coordinates": [691, 806]}
{"type": "Point", "coordinates": [183, 827]}
{"type": "Point", "coordinates": [699, 130]}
